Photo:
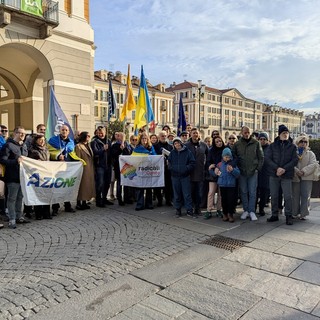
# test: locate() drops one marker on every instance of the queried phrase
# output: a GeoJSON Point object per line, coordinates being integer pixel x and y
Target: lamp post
{"type": "Point", "coordinates": [200, 93]}
{"type": "Point", "coordinates": [276, 109]}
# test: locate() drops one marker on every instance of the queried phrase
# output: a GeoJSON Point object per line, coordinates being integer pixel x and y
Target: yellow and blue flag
{"type": "Point", "coordinates": [144, 113]}
{"type": "Point", "coordinates": [129, 102]}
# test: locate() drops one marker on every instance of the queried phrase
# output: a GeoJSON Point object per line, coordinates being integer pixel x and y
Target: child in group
{"type": "Point", "coordinates": [227, 174]}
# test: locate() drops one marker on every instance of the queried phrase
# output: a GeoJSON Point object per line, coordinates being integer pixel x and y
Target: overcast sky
{"type": "Point", "coordinates": [268, 50]}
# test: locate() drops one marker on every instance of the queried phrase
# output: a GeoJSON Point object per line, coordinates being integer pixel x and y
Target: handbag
{"type": "Point", "coordinates": [316, 173]}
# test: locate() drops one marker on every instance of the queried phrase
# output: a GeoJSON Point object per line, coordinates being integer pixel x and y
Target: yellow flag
{"type": "Point", "coordinates": [129, 102]}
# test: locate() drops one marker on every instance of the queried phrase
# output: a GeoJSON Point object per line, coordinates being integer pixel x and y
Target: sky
{"type": "Point", "coordinates": [268, 50]}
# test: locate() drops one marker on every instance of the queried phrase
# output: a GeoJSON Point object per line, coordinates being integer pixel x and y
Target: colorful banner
{"type": "Point", "coordinates": [142, 171]}
{"type": "Point", "coordinates": [48, 182]}
{"type": "Point", "coordinates": [56, 118]}
{"type": "Point", "coordinates": [32, 6]}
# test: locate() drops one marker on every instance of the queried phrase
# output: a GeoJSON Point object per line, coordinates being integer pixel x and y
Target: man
{"type": "Point", "coordinates": [281, 159]}
{"type": "Point", "coordinates": [11, 157]}
{"type": "Point", "coordinates": [200, 151]}
{"type": "Point", "coordinates": [3, 135]}
{"type": "Point", "coordinates": [250, 157]}
{"type": "Point", "coordinates": [215, 133]}
{"type": "Point", "coordinates": [160, 148]}
{"type": "Point", "coordinates": [101, 147]}
{"type": "Point", "coordinates": [184, 137]}
{"type": "Point", "coordinates": [61, 148]}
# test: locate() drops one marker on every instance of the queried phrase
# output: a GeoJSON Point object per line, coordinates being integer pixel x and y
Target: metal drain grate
{"type": "Point", "coordinates": [224, 242]}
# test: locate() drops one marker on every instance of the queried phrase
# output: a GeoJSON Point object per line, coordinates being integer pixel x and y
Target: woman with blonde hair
{"type": "Point", "coordinates": [303, 177]}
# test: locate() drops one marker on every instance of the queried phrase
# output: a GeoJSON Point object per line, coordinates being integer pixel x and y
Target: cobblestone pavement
{"type": "Point", "coordinates": [47, 262]}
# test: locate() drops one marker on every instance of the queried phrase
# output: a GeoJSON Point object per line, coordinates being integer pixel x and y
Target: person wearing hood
{"type": "Point", "coordinates": [250, 159]}
{"type": "Point", "coordinates": [181, 163]}
{"type": "Point", "coordinates": [227, 174]}
{"type": "Point", "coordinates": [11, 156]}
{"type": "Point", "coordinates": [281, 158]}
{"type": "Point", "coordinates": [303, 177]}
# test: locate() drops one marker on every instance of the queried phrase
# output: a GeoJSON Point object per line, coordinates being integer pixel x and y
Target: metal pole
{"type": "Point", "coordinates": [199, 90]}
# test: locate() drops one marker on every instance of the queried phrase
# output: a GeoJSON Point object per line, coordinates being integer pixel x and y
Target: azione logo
{"type": "Point", "coordinates": [50, 182]}
{"type": "Point", "coordinates": [128, 171]}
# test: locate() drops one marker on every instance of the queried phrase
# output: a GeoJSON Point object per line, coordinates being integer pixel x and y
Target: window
{"type": "Point", "coordinates": [104, 112]}
{"type": "Point", "coordinates": [213, 98]}
{"type": "Point", "coordinates": [96, 96]}
{"type": "Point", "coordinates": [133, 114]}
{"type": "Point", "coordinates": [234, 113]}
{"type": "Point", "coordinates": [226, 100]}
{"type": "Point", "coordinates": [233, 102]}
{"type": "Point", "coordinates": [226, 112]}
{"type": "Point", "coordinates": [104, 95]}
{"type": "Point", "coordinates": [240, 103]}
{"type": "Point", "coordinates": [226, 123]}
{"type": "Point", "coordinates": [96, 111]}
{"type": "Point", "coordinates": [186, 94]}
{"type": "Point", "coordinates": [121, 98]}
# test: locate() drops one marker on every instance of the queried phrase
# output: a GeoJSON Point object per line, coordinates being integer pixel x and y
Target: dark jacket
{"type": "Point", "coordinates": [214, 157]}
{"type": "Point", "coordinates": [263, 175]}
{"type": "Point", "coordinates": [39, 153]}
{"type": "Point", "coordinates": [200, 152]}
{"type": "Point", "coordinates": [226, 179]}
{"type": "Point", "coordinates": [181, 163]}
{"type": "Point", "coordinates": [162, 145]}
{"type": "Point", "coordinates": [249, 155]}
{"type": "Point", "coordinates": [116, 151]}
{"type": "Point", "coordinates": [10, 153]}
{"type": "Point", "coordinates": [102, 158]}
{"type": "Point", "coordinates": [282, 154]}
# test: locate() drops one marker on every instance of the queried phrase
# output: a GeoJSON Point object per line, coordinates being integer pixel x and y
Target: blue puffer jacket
{"type": "Point", "coordinates": [181, 163]}
{"type": "Point", "coordinates": [226, 179]}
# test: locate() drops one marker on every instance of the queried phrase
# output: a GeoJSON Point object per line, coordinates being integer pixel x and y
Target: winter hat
{"type": "Point", "coordinates": [226, 152]}
{"type": "Point", "coordinates": [282, 128]}
{"type": "Point", "coordinates": [177, 139]}
{"type": "Point", "coordinates": [263, 135]}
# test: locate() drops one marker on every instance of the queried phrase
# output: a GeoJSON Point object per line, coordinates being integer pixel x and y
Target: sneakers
{"type": "Point", "coordinates": [1, 225]}
{"type": "Point", "coordinates": [273, 219]}
{"type": "Point", "coordinates": [190, 213]}
{"type": "Point", "coordinates": [245, 215]}
{"type": "Point", "coordinates": [219, 214]}
{"type": "Point", "coordinates": [178, 213]}
{"type": "Point", "coordinates": [12, 224]}
{"type": "Point", "coordinates": [253, 216]}
{"type": "Point", "coordinates": [207, 215]}
{"type": "Point", "coordinates": [112, 197]}
{"type": "Point", "coordinates": [22, 220]}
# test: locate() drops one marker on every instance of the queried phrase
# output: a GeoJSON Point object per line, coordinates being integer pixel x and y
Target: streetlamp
{"type": "Point", "coordinates": [199, 92]}
{"type": "Point", "coordinates": [276, 109]}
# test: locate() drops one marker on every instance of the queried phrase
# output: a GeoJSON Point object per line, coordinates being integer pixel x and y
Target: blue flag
{"type": "Point", "coordinates": [182, 124]}
{"type": "Point", "coordinates": [56, 118]}
{"type": "Point", "coordinates": [112, 104]}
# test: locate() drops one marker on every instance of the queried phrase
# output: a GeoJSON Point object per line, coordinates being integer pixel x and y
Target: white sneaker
{"type": "Point", "coordinates": [245, 215]}
{"type": "Point", "coordinates": [253, 216]}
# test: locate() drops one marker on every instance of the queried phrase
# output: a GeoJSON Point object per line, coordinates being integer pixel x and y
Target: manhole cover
{"type": "Point", "coordinates": [224, 243]}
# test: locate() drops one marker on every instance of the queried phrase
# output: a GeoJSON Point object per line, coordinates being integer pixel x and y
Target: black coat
{"type": "Point", "coordinates": [282, 154]}
{"type": "Point", "coordinates": [263, 174]}
{"type": "Point", "coordinates": [10, 153]}
{"type": "Point", "coordinates": [116, 151]}
{"type": "Point", "coordinates": [102, 158]}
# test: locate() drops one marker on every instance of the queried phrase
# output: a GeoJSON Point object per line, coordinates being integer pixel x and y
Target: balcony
{"type": "Point", "coordinates": [15, 16]}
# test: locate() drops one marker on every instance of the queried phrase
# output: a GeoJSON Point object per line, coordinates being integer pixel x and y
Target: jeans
{"type": "Point", "coordinates": [144, 202]}
{"type": "Point", "coordinates": [248, 191]}
{"type": "Point", "coordinates": [286, 185]}
{"type": "Point", "coordinates": [103, 178]}
{"type": "Point", "coordinates": [182, 193]}
{"type": "Point", "coordinates": [301, 192]}
{"type": "Point", "coordinates": [14, 201]}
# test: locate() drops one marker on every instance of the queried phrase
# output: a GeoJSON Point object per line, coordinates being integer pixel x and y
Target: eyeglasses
{"type": "Point", "coordinates": [4, 130]}
{"type": "Point", "coordinates": [303, 141]}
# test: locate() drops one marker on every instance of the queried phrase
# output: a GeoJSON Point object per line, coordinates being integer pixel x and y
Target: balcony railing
{"type": "Point", "coordinates": [50, 9]}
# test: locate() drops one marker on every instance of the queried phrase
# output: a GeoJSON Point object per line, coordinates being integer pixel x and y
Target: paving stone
{"type": "Point", "coordinates": [309, 272]}
{"type": "Point", "coordinates": [222, 270]}
{"type": "Point", "coordinates": [290, 292]}
{"type": "Point", "coordinates": [163, 274]}
{"type": "Point", "coordinates": [264, 260]}
{"type": "Point", "coordinates": [295, 236]}
{"type": "Point", "coordinates": [316, 310]}
{"type": "Point", "coordinates": [210, 298]}
{"type": "Point", "coordinates": [267, 244]}
{"type": "Point", "coordinates": [266, 310]}
{"type": "Point", "coordinates": [300, 251]}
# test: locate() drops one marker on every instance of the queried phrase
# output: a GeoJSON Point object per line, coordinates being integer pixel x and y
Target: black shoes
{"type": "Point", "coordinates": [273, 219]}
{"type": "Point", "coordinates": [54, 213]}
{"type": "Point", "coordinates": [178, 213]}
{"type": "Point", "coordinates": [108, 203]}
{"type": "Point", "coordinates": [121, 203]}
{"type": "Point", "coordinates": [69, 210]}
{"type": "Point", "coordinates": [289, 221]}
{"type": "Point", "coordinates": [262, 213]}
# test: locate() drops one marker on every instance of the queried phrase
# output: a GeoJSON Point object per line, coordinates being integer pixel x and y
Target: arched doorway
{"type": "Point", "coordinates": [24, 74]}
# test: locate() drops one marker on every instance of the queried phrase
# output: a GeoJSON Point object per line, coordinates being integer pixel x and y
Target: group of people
{"type": "Point", "coordinates": [198, 173]}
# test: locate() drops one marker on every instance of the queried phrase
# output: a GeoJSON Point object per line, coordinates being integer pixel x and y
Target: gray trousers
{"type": "Point", "coordinates": [301, 192]}
{"type": "Point", "coordinates": [286, 185]}
{"type": "Point", "coordinates": [14, 201]}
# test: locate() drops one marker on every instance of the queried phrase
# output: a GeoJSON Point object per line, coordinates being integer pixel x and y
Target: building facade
{"type": "Point", "coordinates": [51, 47]}
{"type": "Point", "coordinates": [312, 125]}
{"type": "Point", "coordinates": [161, 101]}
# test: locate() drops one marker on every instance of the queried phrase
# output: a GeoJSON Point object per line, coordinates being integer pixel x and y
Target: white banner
{"type": "Point", "coordinates": [48, 182]}
{"type": "Point", "coordinates": [142, 171]}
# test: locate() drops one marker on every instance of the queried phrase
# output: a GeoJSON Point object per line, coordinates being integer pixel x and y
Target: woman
{"type": "Point", "coordinates": [144, 147]}
{"type": "Point", "coordinates": [232, 139]}
{"type": "Point", "coordinates": [39, 151]}
{"type": "Point", "coordinates": [214, 157]}
{"type": "Point", "coordinates": [303, 177]}
{"type": "Point", "coordinates": [87, 185]}
{"type": "Point", "coordinates": [208, 141]}
{"type": "Point", "coordinates": [154, 139]}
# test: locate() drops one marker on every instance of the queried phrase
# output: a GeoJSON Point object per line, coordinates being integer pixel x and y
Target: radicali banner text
{"type": "Point", "coordinates": [49, 182]}
{"type": "Point", "coordinates": [142, 171]}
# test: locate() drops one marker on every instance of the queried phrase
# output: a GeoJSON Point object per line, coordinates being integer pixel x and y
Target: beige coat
{"type": "Point", "coordinates": [307, 164]}
{"type": "Point", "coordinates": [87, 188]}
